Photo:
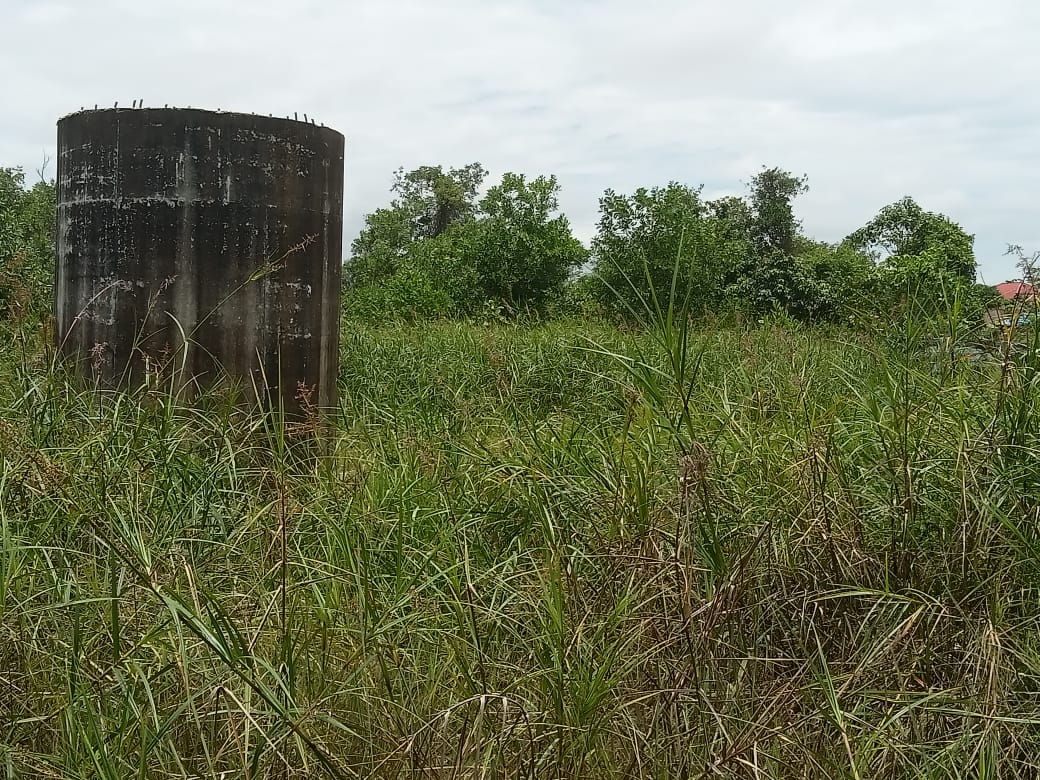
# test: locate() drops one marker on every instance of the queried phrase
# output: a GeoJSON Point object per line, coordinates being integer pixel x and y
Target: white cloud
{"type": "Point", "coordinates": [871, 100]}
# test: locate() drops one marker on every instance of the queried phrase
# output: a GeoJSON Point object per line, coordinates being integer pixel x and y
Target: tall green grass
{"type": "Point", "coordinates": [556, 550]}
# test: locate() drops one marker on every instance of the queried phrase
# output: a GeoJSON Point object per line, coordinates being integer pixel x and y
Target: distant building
{"type": "Point", "coordinates": [1016, 291]}
{"type": "Point", "coordinates": [1019, 307]}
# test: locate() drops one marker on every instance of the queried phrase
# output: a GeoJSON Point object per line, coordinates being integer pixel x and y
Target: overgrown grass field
{"type": "Point", "coordinates": [549, 550]}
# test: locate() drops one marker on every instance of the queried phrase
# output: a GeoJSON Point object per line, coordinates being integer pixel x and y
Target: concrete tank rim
{"type": "Point", "coordinates": [232, 115]}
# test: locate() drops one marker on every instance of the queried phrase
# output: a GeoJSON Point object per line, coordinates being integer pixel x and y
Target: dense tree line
{"type": "Point", "coordinates": [447, 245]}
{"type": "Point", "coordinates": [439, 249]}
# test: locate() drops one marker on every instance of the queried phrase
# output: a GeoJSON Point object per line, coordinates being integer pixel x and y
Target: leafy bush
{"type": "Point", "coordinates": [26, 245]}
{"type": "Point", "coordinates": [407, 294]}
{"type": "Point", "coordinates": [510, 250]}
{"type": "Point", "coordinates": [647, 239]}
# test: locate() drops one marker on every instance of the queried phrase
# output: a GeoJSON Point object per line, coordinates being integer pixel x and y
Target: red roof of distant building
{"type": "Point", "coordinates": [1012, 290]}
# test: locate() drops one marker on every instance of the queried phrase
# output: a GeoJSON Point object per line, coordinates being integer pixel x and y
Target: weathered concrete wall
{"type": "Point", "coordinates": [196, 242]}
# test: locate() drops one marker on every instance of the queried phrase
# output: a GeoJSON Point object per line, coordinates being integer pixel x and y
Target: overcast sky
{"type": "Point", "coordinates": [872, 100]}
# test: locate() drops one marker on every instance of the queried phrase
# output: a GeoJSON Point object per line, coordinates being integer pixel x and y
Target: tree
{"type": "Point", "coordinates": [428, 202]}
{"type": "Point", "coordinates": [643, 238]}
{"type": "Point", "coordinates": [729, 251]}
{"type": "Point", "coordinates": [525, 251]}
{"type": "Point", "coordinates": [732, 220]}
{"type": "Point", "coordinates": [435, 200]}
{"type": "Point", "coordinates": [773, 224]}
{"type": "Point", "coordinates": [381, 247]}
{"type": "Point", "coordinates": [924, 261]}
{"type": "Point", "coordinates": [778, 283]}
{"type": "Point", "coordinates": [770, 278]}
{"type": "Point", "coordinates": [903, 230]}
{"type": "Point", "coordinates": [26, 243]}
{"type": "Point", "coordinates": [511, 247]}
{"type": "Point", "coordinates": [840, 279]}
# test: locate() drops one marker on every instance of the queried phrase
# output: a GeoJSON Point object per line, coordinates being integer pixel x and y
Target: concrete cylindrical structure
{"type": "Point", "coordinates": [201, 244]}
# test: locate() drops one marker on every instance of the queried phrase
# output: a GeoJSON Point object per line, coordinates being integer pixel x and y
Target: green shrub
{"type": "Point", "coordinates": [26, 245]}
{"type": "Point", "coordinates": [407, 295]}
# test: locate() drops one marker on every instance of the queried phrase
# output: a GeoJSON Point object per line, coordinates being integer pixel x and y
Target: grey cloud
{"type": "Point", "coordinates": [872, 100]}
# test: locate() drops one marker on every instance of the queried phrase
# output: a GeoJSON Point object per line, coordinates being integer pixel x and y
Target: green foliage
{"type": "Point", "coordinates": [642, 238]}
{"type": "Point", "coordinates": [511, 249]}
{"type": "Point", "coordinates": [437, 200]}
{"type": "Point", "coordinates": [906, 238]}
{"type": "Point", "coordinates": [925, 264]}
{"type": "Point", "coordinates": [778, 283]}
{"type": "Point", "coordinates": [841, 278]}
{"type": "Point", "coordinates": [428, 202]}
{"type": "Point", "coordinates": [381, 248]}
{"type": "Point", "coordinates": [524, 250]}
{"type": "Point", "coordinates": [582, 296]}
{"type": "Point", "coordinates": [26, 244]}
{"type": "Point", "coordinates": [409, 293]}
{"type": "Point", "coordinates": [769, 278]}
{"type": "Point", "coordinates": [727, 254]}
{"type": "Point", "coordinates": [773, 225]}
